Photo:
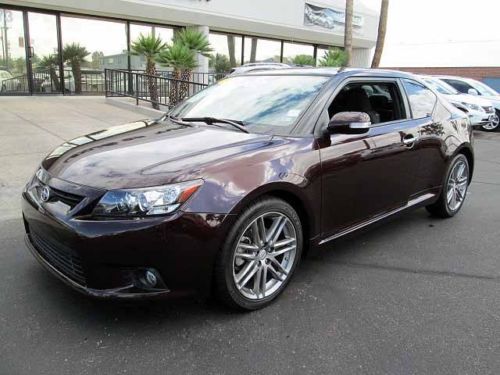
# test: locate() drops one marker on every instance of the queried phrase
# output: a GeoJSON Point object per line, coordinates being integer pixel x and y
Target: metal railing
{"type": "Point", "coordinates": [156, 89]}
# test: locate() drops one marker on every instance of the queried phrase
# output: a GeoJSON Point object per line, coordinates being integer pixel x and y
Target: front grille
{"type": "Point", "coordinates": [489, 109]}
{"type": "Point", "coordinates": [67, 198]}
{"type": "Point", "coordinates": [60, 257]}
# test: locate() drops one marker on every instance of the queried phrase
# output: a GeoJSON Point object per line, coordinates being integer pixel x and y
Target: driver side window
{"type": "Point", "coordinates": [380, 100]}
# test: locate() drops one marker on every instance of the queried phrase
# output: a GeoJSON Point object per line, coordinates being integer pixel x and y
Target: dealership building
{"type": "Point", "coordinates": [243, 31]}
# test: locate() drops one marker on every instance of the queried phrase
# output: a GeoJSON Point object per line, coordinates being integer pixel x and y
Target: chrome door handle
{"type": "Point", "coordinates": [409, 139]}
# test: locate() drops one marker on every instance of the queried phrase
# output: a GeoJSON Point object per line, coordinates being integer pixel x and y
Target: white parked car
{"type": "Point", "coordinates": [481, 111]}
{"type": "Point", "coordinates": [476, 88]}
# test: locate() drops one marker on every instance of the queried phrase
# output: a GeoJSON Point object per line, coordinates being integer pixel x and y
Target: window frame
{"type": "Point", "coordinates": [429, 115]}
{"type": "Point", "coordinates": [320, 127]}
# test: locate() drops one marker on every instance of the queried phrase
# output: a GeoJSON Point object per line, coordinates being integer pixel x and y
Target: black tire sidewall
{"type": "Point", "coordinates": [225, 284]}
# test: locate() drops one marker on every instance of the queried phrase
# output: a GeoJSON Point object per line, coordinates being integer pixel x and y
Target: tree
{"type": "Point", "coordinates": [382, 27]}
{"type": "Point", "coordinates": [349, 5]}
{"type": "Point", "coordinates": [181, 58]}
{"type": "Point", "coordinates": [74, 54]}
{"type": "Point", "coordinates": [50, 63]}
{"type": "Point", "coordinates": [220, 63]}
{"type": "Point", "coordinates": [97, 60]}
{"type": "Point", "coordinates": [195, 40]}
{"type": "Point", "coordinates": [151, 47]}
{"type": "Point", "coordinates": [181, 55]}
{"type": "Point", "coordinates": [305, 60]}
{"type": "Point", "coordinates": [333, 57]}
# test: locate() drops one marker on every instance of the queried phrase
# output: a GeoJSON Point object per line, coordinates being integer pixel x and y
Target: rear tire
{"type": "Point", "coordinates": [454, 189]}
{"type": "Point", "coordinates": [259, 256]}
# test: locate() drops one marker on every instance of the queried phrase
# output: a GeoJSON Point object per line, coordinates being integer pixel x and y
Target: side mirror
{"type": "Point", "coordinates": [349, 122]}
{"type": "Point", "coordinates": [473, 92]}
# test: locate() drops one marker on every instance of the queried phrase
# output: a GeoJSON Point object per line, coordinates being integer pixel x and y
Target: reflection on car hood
{"type": "Point", "coordinates": [147, 154]}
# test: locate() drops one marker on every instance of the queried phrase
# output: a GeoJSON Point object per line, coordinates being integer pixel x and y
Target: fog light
{"type": "Point", "coordinates": [150, 279]}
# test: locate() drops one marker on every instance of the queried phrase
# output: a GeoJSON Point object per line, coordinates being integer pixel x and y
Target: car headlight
{"type": "Point", "coordinates": [473, 107]}
{"type": "Point", "coordinates": [159, 200]}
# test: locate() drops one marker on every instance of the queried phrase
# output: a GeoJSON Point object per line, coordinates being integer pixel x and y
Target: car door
{"type": "Point", "coordinates": [429, 116]}
{"type": "Point", "coordinates": [371, 173]}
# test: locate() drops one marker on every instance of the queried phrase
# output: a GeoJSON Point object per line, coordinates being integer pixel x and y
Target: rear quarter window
{"type": "Point", "coordinates": [422, 100]}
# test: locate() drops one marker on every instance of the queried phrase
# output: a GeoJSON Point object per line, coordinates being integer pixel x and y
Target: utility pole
{"type": "Point", "coordinates": [349, 5]}
{"type": "Point", "coordinates": [5, 40]}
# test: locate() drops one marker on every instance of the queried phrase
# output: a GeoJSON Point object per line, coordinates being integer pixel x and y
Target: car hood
{"type": "Point", "coordinates": [147, 153]}
{"type": "Point", "coordinates": [469, 99]}
{"type": "Point", "coordinates": [494, 99]}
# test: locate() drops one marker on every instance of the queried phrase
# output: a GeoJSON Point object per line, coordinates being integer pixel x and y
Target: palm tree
{"type": "Point", "coordinates": [304, 60]}
{"type": "Point", "coordinates": [149, 46]}
{"type": "Point", "coordinates": [349, 5]}
{"type": "Point", "coordinates": [333, 57]}
{"type": "Point", "coordinates": [182, 59]}
{"type": "Point", "coordinates": [74, 54]}
{"type": "Point", "coordinates": [382, 27]}
{"type": "Point", "coordinates": [195, 40]}
{"type": "Point", "coordinates": [198, 43]}
{"type": "Point", "coordinates": [50, 63]}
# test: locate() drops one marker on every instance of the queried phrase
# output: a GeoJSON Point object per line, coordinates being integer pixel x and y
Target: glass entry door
{"type": "Point", "coordinates": [44, 58]}
{"type": "Point", "coordinates": [13, 77]}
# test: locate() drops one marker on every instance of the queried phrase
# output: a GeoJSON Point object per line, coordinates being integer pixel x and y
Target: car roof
{"type": "Point", "coordinates": [336, 71]}
{"type": "Point", "coordinates": [442, 76]}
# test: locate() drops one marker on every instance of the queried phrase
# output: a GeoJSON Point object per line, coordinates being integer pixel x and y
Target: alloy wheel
{"type": "Point", "coordinates": [264, 255]}
{"type": "Point", "coordinates": [493, 124]}
{"type": "Point", "coordinates": [458, 182]}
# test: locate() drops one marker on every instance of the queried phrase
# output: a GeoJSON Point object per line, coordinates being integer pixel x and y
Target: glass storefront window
{"type": "Point", "coordinates": [12, 52]}
{"type": "Point", "coordinates": [298, 54]}
{"type": "Point", "coordinates": [45, 60]}
{"type": "Point", "coordinates": [320, 53]}
{"type": "Point", "coordinates": [165, 33]}
{"type": "Point", "coordinates": [89, 46]}
{"type": "Point", "coordinates": [262, 50]}
{"type": "Point", "coordinates": [227, 52]}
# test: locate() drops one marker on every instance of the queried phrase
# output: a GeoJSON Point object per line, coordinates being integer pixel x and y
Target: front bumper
{"type": "Point", "coordinates": [103, 258]}
{"type": "Point", "coordinates": [479, 118]}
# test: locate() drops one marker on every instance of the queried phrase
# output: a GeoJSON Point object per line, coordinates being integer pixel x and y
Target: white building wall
{"type": "Point", "coordinates": [282, 19]}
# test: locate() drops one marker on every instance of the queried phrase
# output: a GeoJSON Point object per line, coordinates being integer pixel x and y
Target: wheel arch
{"type": "Point", "coordinates": [466, 150]}
{"type": "Point", "coordinates": [291, 195]}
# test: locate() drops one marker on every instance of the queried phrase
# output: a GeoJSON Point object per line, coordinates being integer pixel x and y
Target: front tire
{"type": "Point", "coordinates": [260, 255]}
{"type": "Point", "coordinates": [454, 189]}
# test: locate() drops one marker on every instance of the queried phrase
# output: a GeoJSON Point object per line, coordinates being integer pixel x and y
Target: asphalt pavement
{"type": "Point", "coordinates": [417, 295]}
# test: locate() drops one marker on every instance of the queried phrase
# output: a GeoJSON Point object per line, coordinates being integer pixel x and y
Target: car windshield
{"type": "Point", "coordinates": [440, 86]}
{"type": "Point", "coordinates": [483, 89]}
{"type": "Point", "coordinates": [270, 104]}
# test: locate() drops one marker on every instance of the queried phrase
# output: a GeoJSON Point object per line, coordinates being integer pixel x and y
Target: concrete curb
{"type": "Point", "coordinates": [120, 103]}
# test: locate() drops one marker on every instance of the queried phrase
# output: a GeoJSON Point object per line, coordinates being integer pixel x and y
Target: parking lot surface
{"type": "Point", "coordinates": [417, 295]}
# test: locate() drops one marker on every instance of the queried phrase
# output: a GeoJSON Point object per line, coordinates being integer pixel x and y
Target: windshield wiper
{"type": "Point", "coordinates": [176, 120]}
{"type": "Point", "coordinates": [212, 121]}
